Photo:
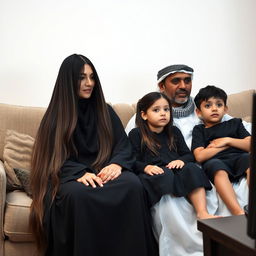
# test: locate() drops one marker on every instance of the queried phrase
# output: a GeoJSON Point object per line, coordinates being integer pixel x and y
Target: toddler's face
{"type": "Point", "coordinates": [158, 115]}
{"type": "Point", "coordinates": [212, 111]}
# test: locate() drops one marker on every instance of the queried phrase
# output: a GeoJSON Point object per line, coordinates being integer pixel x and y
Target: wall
{"type": "Point", "coordinates": [128, 41]}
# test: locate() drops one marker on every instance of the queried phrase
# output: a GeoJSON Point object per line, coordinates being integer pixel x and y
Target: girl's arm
{"type": "Point", "coordinates": [140, 165]}
{"type": "Point", "coordinates": [135, 140]}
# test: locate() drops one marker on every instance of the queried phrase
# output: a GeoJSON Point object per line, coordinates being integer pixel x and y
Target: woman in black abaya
{"type": "Point", "coordinates": [86, 200]}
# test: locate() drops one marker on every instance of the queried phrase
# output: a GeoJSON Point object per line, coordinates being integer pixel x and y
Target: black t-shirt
{"type": "Point", "coordinates": [201, 136]}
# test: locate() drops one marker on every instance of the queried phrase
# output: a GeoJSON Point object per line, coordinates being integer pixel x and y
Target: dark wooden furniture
{"type": "Point", "coordinates": [226, 236]}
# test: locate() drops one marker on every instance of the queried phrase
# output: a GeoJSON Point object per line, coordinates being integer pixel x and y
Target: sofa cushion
{"type": "Point", "coordinates": [23, 175]}
{"type": "Point", "coordinates": [18, 249]}
{"type": "Point", "coordinates": [17, 154]}
{"type": "Point", "coordinates": [16, 221]}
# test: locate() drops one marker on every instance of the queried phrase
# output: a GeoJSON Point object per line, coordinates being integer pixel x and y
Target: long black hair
{"type": "Point", "coordinates": [54, 141]}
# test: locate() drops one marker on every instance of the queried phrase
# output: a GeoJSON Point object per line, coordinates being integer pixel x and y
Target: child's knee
{"type": "Point", "coordinates": [220, 174]}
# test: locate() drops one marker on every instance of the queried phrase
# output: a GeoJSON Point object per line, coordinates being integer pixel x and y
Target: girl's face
{"type": "Point", "coordinates": [211, 111]}
{"type": "Point", "coordinates": [157, 115]}
{"type": "Point", "coordinates": [86, 82]}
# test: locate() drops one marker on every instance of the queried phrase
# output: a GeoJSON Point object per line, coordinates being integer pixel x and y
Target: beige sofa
{"type": "Point", "coordinates": [15, 238]}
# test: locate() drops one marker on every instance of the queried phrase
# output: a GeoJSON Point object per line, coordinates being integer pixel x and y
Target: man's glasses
{"type": "Point", "coordinates": [177, 80]}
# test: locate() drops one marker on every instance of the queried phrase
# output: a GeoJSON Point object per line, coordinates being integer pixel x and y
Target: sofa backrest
{"type": "Point", "coordinates": [27, 119]}
{"type": "Point", "coordinates": [19, 118]}
{"type": "Point", "coordinates": [240, 104]}
{"type": "Point", "coordinates": [124, 111]}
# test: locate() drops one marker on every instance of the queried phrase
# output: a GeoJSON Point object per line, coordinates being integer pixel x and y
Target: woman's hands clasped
{"type": "Point", "coordinates": [106, 174]}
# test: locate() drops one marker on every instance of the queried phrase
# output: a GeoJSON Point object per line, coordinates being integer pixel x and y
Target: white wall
{"type": "Point", "coordinates": [128, 41]}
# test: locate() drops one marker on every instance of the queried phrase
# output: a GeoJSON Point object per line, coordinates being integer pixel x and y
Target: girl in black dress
{"type": "Point", "coordinates": [222, 147]}
{"type": "Point", "coordinates": [86, 200]}
{"type": "Point", "coordinates": [163, 160]}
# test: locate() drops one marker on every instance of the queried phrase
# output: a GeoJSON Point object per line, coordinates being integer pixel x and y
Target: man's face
{"type": "Point", "coordinates": [177, 87]}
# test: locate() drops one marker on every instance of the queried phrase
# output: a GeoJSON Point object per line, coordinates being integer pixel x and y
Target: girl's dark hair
{"type": "Point", "coordinates": [54, 141]}
{"type": "Point", "coordinates": [208, 92]}
{"type": "Point", "coordinates": [148, 137]}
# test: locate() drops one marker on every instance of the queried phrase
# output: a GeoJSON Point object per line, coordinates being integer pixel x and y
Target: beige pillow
{"type": "Point", "coordinates": [17, 154]}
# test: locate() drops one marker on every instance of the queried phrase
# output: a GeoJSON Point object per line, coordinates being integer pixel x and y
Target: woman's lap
{"type": "Point", "coordinates": [100, 220]}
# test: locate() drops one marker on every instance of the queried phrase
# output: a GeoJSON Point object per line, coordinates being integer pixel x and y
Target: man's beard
{"type": "Point", "coordinates": [181, 101]}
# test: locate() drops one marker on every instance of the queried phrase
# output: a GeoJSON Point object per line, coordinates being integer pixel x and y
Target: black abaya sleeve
{"type": "Point", "coordinates": [135, 140]}
{"type": "Point", "coordinates": [122, 151]}
{"type": "Point", "coordinates": [182, 148]}
{"type": "Point", "coordinates": [72, 170]}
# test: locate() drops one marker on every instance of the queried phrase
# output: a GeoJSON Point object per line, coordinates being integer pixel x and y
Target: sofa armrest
{"type": "Point", "coordinates": [2, 198]}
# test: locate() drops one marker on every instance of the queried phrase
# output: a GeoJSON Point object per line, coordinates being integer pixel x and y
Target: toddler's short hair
{"type": "Point", "coordinates": [208, 92]}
